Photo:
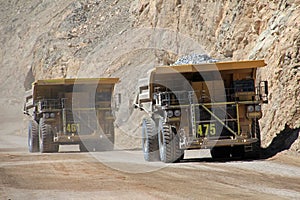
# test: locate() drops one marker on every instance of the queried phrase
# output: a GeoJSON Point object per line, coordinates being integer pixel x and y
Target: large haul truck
{"type": "Point", "coordinates": [211, 105]}
{"type": "Point", "coordinates": [70, 111]}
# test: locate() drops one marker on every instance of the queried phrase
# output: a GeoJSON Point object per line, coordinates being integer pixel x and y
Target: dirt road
{"type": "Point", "coordinates": [124, 175]}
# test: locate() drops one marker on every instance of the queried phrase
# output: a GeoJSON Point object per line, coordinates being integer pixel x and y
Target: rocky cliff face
{"type": "Point", "coordinates": [50, 39]}
{"type": "Point", "coordinates": [240, 30]}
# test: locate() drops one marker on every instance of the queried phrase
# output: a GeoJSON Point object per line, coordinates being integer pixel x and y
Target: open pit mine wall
{"type": "Point", "coordinates": [240, 30]}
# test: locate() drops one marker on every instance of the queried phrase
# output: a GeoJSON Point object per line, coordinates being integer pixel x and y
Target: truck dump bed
{"type": "Point", "coordinates": [181, 76]}
{"type": "Point", "coordinates": [51, 87]}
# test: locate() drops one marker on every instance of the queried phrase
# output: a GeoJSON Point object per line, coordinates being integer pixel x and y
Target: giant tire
{"type": "Point", "coordinates": [33, 136]}
{"type": "Point", "coordinates": [150, 140]}
{"type": "Point", "coordinates": [46, 138]}
{"type": "Point", "coordinates": [169, 144]}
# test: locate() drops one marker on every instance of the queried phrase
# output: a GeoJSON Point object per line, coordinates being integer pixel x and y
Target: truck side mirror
{"type": "Point", "coordinates": [263, 91]}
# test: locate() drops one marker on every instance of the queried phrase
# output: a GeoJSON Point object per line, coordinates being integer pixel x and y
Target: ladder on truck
{"type": "Point", "coordinates": [194, 111]}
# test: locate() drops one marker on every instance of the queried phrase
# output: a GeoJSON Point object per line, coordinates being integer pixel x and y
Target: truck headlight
{"type": "Point", "coordinates": [250, 108]}
{"type": "Point", "coordinates": [170, 113]}
{"type": "Point", "coordinates": [257, 108]}
{"type": "Point", "coordinates": [177, 113]}
{"type": "Point", "coordinates": [46, 115]}
{"type": "Point", "coordinates": [52, 115]}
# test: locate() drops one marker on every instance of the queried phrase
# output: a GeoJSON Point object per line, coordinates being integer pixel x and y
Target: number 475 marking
{"type": "Point", "coordinates": [206, 129]}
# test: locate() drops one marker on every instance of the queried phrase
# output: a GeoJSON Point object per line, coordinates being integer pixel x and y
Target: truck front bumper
{"type": "Point", "coordinates": [205, 143]}
{"type": "Point", "coordinates": [76, 139]}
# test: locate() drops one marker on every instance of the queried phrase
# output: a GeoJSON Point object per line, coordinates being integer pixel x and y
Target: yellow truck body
{"type": "Point", "coordinates": [209, 105]}
{"type": "Point", "coordinates": [70, 111]}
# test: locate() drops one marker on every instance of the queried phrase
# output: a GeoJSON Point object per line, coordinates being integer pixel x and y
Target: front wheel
{"type": "Point", "coordinates": [47, 144]}
{"type": "Point", "coordinates": [33, 136]}
{"type": "Point", "coordinates": [150, 140]}
{"type": "Point", "coordinates": [169, 144]}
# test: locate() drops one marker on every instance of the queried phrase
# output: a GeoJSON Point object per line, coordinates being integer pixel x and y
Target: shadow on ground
{"type": "Point", "coordinates": [283, 141]}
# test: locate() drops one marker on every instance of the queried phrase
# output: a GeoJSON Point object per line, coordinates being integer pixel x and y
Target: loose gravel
{"type": "Point", "coordinates": [195, 59]}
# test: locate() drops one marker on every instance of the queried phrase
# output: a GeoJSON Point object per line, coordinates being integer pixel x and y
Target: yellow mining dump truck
{"type": "Point", "coordinates": [209, 105]}
{"type": "Point", "coordinates": [70, 111]}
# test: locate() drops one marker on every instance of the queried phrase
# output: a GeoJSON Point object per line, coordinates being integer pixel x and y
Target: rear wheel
{"type": "Point", "coordinates": [169, 144]}
{"type": "Point", "coordinates": [150, 140]}
{"type": "Point", "coordinates": [33, 136]}
{"type": "Point", "coordinates": [47, 144]}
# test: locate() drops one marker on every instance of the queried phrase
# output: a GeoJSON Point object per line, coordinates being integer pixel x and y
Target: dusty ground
{"type": "Point", "coordinates": [124, 174]}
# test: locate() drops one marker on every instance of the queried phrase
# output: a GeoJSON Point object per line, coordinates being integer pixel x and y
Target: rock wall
{"type": "Point", "coordinates": [238, 30]}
